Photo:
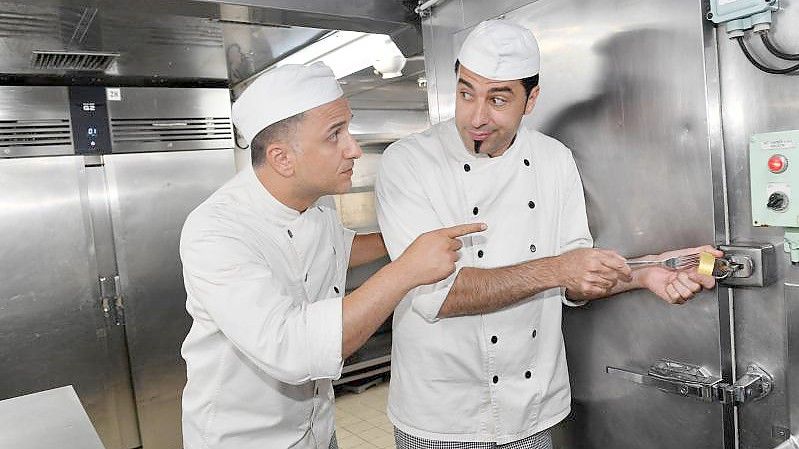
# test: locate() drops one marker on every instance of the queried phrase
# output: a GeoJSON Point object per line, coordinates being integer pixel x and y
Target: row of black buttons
{"type": "Point", "coordinates": [481, 253]}
{"type": "Point", "coordinates": [495, 339]}
{"type": "Point", "coordinates": [467, 168]}
{"type": "Point", "coordinates": [476, 210]}
{"type": "Point", "coordinates": [527, 374]}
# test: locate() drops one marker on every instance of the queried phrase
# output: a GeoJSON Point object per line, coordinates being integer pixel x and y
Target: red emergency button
{"type": "Point", "coordinates": [777, 163]}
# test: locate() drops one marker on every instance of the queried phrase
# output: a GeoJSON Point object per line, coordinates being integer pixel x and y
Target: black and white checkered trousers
{"type": "Point", "coordinates": [333, 442]}
{"type": "Point", "coordinates": [540, 440]}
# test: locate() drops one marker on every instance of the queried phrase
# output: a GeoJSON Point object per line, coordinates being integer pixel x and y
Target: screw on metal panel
{"type": "Point", "coordinates": [709, 15]}
{"type": "Point", "coordinates": [684, 391]}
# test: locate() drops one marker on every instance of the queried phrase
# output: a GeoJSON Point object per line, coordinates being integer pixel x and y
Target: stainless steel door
{"type": "Point", "coordinates": [52, 330]}
{"type": "Point", "coordinates": [151, 195]}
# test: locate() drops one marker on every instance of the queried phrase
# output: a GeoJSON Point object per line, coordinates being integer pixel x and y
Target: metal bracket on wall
{"type": "Point", "coordinates": [697, 382]}
{"type": "Point", "coordinates": [111, 300]}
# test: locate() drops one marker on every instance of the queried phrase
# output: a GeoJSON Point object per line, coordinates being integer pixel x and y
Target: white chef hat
{"type": "Point", "coordinates": [281, 93]}
{"type": "Point", "coordinates": [501, 50]}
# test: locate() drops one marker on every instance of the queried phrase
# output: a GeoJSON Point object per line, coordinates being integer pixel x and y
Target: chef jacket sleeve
{"type": "Point", "coordinates": [404, 212]}
{"type": "Point", "coordinates": [574, 232]}
{"type": "Point", "coordinates": [290, 339]}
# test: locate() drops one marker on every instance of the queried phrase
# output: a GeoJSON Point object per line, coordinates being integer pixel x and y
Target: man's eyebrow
{"type": "Point", "coordinates": [500, 89]}
{"type": "Point", "coordinates": [465, 83]}
{"type": "Point", "coordinates": [338, 124]}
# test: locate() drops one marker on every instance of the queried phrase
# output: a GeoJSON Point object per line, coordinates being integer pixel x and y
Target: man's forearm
{"type": "Point", "coordinates": [478, 290]}
{"type": "Point", "coordinates": [365, 309]}
{"type": "Point", "coordinates": [367, 248]}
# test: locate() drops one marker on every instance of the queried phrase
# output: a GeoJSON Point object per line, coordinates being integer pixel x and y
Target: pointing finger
{"type": "Point", "coordinates": [464, 229]}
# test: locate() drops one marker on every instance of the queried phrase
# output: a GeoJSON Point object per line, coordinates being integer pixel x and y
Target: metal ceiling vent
{"type": "Point", "coordinates": [72, 60]}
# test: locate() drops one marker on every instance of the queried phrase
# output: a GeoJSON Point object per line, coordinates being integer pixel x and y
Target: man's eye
{"type": "Point", "coordinates": [466, 95]}
{"type": "Point", "coordinates": [499, 101]}
{"type": "Point", "coordinates": [333, 137]}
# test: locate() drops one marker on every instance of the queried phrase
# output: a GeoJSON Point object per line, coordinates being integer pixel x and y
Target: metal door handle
{"type": "Point", "coordinates": [696, 382]}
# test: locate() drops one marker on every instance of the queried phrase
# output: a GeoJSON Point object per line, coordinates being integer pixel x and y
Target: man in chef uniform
{"type": "Point", "coordinates": [264, 263]}
{"type": "Point", "coordinates": [478, 358]}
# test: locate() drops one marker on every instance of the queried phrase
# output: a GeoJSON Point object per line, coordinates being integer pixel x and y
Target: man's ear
{"type": "Point", "coordinates": [282, 158]}
{"type": "Point", "coordinates": [531, 99]}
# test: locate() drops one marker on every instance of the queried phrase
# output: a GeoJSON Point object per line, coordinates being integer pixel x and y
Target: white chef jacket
{"type": "Point", "coordinates": [265, 285]}
{"type": "Point", "coordinates": [501, 376]}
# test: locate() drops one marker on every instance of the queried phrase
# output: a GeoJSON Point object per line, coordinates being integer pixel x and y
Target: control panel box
{"type": "Point", "coordinates": [88, 108]}
{"type": "Point", "coordinates": [725, 10]}
{"type": "Point", "coordinates": [774, 178]}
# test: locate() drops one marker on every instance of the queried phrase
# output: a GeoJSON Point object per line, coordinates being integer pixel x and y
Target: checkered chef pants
{"type": "Point", "coordinates": [541, 440]}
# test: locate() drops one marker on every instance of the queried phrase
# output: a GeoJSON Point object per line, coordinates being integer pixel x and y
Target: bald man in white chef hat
{"type": "Point", "coordinates": [478, 358]}
{"type": "Point", "coordinates": [264, 263]}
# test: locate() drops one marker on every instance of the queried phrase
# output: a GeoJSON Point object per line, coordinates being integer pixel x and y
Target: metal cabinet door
{"type": "Point", "coordinates": [52, 329]}
{"type": "Point", "coordinates": [151, 196]}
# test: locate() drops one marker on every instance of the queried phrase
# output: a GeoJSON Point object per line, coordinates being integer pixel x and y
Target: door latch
{"type": "Point", "coordinates": [696, 382]}
{"type": "Point", "coordinates": [753, 265]}
{"type": "Point", "coordinates": [111, 300]}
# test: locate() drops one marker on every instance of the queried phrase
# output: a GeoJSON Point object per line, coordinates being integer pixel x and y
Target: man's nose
{"type": "Point", "coordinates": [479, 115]}
{"type": "Point", "coordinates": [353, 150]}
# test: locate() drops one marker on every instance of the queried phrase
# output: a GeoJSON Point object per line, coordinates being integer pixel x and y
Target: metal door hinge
{"type": "Point", "coordinates": [111, 300]}
{"type": "Point", "coordinates": [697, 382]}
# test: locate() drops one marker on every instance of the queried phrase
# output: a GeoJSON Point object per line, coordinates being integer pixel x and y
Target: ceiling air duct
{"type": "Point", "coordinates": [72, 60]}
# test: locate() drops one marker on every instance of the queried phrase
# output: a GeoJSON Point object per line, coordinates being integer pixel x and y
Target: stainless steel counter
{"type": "Point", "coordinates": [48, 419]}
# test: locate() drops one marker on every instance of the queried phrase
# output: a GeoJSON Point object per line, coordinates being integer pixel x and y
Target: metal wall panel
{"type": "Point", "coordinates": [151, 195]}
{"type": "Point", "coordinates": [52, 329]}
{"type": "Point", "coordinates": [756, 102]}
{"type": "Point", "coordinates": [159, 119]}
{"type": "Point", "coordinates": [150, 41]}
{"type": "Point", "coordinates": [34, 121]}
{"type": "Point", "coordinates": [624, 86]}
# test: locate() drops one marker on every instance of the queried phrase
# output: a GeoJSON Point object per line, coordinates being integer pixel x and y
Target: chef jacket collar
{"type": "Point", "coordinates": [268, 205]}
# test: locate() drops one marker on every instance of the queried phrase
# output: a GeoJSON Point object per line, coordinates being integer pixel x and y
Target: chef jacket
{"type": "Point", "coordinates": [265, 286]}
{"type": "Point", "coordinates": [500, 376]}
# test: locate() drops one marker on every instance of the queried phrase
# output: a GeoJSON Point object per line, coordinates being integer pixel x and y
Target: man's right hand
{"type": "Point", "coordinates": [432, 256]}
{"type": "Point", "coordinates": [592, 273]}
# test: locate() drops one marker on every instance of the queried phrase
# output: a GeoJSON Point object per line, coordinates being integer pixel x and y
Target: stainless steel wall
{"type": "Point", "coordinates": [639, 91]}
{"type": "Point", "coordinates": [756, 102]}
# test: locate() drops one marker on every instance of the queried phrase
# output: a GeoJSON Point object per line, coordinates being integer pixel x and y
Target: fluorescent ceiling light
{"type": "Point", "coordinates": [345, 52]}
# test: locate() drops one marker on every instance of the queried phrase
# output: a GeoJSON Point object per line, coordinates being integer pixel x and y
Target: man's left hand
{"type": "Point", "coordinates": [677, 286]}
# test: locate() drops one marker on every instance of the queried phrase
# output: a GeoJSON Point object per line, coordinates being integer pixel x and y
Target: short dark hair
{"type": "Point", "coordinates": [284, 130]}
{"type": "Point", "coordinates": [529, 83]}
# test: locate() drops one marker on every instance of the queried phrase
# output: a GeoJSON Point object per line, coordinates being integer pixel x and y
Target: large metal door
{"type": "Point", "coordinates": [52, 329]}
{"type": "Point", "coordinates": [632, 89]}
{"type": "Point", "coordinates": [151, 195]}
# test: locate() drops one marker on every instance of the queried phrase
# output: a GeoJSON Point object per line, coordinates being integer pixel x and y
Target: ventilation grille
{"type": "Point", "coordinates": [38, 133]}
{"type": "Point", "coordinates": [72, 60]}
{"type": "Point", "coordinates": [171, 130]}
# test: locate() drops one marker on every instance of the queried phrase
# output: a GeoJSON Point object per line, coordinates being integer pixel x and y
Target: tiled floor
{"type": "Point", "coordinates": [361, 421]}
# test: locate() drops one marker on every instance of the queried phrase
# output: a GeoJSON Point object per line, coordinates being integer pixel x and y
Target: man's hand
{"type": "Point", "coordinates": [677, 287]}
{"type": "Point", "coordinates": [590, 273]}
{"type": "Point", "coordinates": [432, 256]}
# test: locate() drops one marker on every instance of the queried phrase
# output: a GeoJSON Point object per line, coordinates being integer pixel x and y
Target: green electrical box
{"type": "Point", "coordinates": [774, 178]}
